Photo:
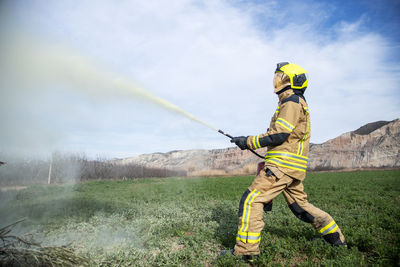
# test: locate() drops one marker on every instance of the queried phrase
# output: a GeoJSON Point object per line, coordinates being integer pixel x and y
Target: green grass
{"type": "Point", "coordinates": [187, 221]}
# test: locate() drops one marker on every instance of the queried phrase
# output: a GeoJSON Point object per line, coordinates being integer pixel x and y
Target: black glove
{"type": "Point", "coordinates": [240, 141]}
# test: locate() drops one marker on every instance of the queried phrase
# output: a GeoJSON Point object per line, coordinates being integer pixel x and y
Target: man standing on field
{"type": "Point", "coordinates": [287, 139]}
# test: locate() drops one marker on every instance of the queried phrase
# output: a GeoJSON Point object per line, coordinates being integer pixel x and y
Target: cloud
{"type": "Point", "coordinates": [214, 59]}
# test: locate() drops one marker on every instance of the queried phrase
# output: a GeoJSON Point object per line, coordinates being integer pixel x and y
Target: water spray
{"type": "Point", "coordinates": [40, 64]}
{"type": "Point", "coordinates": [192, 117]}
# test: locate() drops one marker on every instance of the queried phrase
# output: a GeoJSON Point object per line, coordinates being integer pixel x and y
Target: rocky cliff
{"type": "Point", "coordinates": [201, 162]}
{"type": "Point", "coordinates": [375, 145]}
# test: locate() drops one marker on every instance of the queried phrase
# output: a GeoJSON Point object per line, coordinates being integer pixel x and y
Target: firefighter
{"type": "Point", "coordinates": [288, 140]}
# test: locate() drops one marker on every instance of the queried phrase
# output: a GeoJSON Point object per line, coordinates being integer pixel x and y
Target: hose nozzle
{"type": "Point", "coordinates": [228, 135]}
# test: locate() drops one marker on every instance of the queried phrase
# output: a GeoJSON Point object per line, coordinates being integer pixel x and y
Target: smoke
{"type": "Point", "coordinates": [45, 79]}
{"type": "Point", "coordinates": [101, 231]}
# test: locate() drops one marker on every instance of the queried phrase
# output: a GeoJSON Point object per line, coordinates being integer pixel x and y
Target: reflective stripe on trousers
{"type": "Point", "coordinates": [329, 228]}
{"type": "Point", "coordinates": [248, 237]}
{"type": "Point", "coordinates": [243, 235]}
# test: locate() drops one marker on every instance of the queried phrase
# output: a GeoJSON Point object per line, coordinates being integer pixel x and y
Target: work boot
{"type": "Point", "coordinates": [245, 258]}
{"type": "Point", "coordinates": [334, 239]}
{"type": "Point", "coordinates": [249, 258]}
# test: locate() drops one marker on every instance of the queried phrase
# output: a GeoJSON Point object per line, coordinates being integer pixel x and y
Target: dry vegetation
{"type": "Point", "coordinates": [23, 251]}
{"type": "Point", "coordinates": [249, 169]}
{"type": "Point", "coordinates": [67, 168]}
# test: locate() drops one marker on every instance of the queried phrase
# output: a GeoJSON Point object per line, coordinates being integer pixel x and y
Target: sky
{"type": "Point", "coordinates": [213, 59]}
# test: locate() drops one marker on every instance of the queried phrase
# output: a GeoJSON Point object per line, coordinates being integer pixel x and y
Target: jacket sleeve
{"type": "Point", "coordinates": [280, 129]}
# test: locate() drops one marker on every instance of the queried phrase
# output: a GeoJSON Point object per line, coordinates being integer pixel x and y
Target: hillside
{"type": "Point", "coordinates": [374, 145]}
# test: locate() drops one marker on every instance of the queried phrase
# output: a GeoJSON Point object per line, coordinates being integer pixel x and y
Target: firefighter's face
{"type": "Point", "coordinates": [281, 80]}
{"type": "Point", "coordinates": [277, 81]}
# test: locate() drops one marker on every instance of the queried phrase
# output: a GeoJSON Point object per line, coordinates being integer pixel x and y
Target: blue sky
{"type": "Point", "coordinates": [214, 59]}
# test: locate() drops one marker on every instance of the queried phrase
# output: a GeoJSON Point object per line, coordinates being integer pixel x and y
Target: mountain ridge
{"type": "Point", "coordinates": [373, 145]}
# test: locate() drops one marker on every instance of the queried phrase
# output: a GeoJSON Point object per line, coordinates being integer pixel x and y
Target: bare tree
{"type": "Point", "coordinates": [68, 167]}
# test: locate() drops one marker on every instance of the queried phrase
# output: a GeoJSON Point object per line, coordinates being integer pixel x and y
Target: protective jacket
{"type": "Point", "coordinates": [288, 136]}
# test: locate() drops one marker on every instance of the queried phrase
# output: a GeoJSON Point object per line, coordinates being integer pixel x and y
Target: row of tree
{"type": "Point", "coordinates": [66, 168]}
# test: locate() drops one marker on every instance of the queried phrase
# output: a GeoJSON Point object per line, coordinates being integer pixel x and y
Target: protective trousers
{"type": "Point", "coordinates": [258, 198]}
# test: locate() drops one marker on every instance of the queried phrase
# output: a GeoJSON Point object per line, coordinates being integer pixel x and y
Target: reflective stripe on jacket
{"type": "Point", "coordinates": [288, 136]}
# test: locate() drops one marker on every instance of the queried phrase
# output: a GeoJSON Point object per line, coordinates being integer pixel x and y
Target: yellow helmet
{"type": "Point", "coordinates": [297, 75]}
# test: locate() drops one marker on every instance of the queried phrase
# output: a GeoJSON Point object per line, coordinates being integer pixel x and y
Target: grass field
{"type": "Point", "coordinates": [187, 221]}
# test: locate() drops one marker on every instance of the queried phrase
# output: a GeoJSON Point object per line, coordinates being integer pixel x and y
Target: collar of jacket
{"type": "Point", "coordinates": [285, 94]}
